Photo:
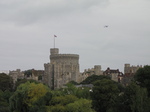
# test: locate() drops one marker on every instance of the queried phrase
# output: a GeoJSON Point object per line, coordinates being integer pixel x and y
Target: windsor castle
{"type": "Point", "coordinates": [64, 68]}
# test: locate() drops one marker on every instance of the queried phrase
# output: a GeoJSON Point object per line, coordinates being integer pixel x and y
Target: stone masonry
{"type": "Point", "coordinates": [61, 69]}
{"type": "Point", "coordinates": [131, 69]}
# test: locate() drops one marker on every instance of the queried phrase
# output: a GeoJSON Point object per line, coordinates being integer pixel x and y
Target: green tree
{"type": "Point", "coordinates": [91, 79]}
{"type": "Point", "coordinates": [22, 81]}
{"type": "Point", "coordinates": [70, 89]}
{"type": "Point", "coordinates": [56, 108]}
{"type": "Point", "coordinates": [134, 99]}
{"type": "Point", "coordinates": [3, 103]}
{"type": "Point", "coordinates": [6, 82]}
{"type": "Point", "coordinates": [7, 94]}
{"type": "Point", "coordinates": [142, 77]}
{"type": "Point", "coordinates": [104, 95]}
{"type": "Point", "coordinates": [41, 104]}
{"type": "Point", "coordinates": [83, 92]}
{"type": "Point", "coordinates": [28, 73]}
{"type": "Point", "coordinates": [63, 100]}
{"type": "Point", "coordinates": [58, 103]}
{"type": "Point", "coordinates": [4, 100]}
{"type": "Point", "coordinates": [81, 105]}
{"type": "Point", "coordinates": [59, 92]}
{"type": "Point", "coordinates": [69, 103]}
{"type": "Point", "coordinates": [26, 96]}
{"type": "Point", "coordinates": [73, 82]}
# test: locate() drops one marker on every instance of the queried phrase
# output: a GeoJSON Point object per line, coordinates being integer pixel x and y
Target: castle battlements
{"type": "Point", "coordinates": [63, 68]}
{"type": "Point", "coordinates": [131, 69]}
{"type": "Point", "coordinates": [64, 56]}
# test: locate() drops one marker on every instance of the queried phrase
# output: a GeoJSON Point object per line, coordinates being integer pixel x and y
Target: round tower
{"type": "Point", "coordinates": [62, 68]}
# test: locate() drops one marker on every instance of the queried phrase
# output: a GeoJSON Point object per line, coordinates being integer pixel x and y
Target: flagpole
{"type": "Point", "coordinates": [54, 41]}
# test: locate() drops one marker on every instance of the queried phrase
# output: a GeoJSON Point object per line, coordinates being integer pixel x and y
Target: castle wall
{"type": "Point", "coordinates": [65, 58]}
{"type": "Point", "coordinates": [97, 70]}
{"type": "Point", "coordinates": [46, 75]}
{"type": "Point", "coordinates": [114, 77]}
{"type": "Point", "coordinates": [91, 71]}
{"type": "Point", "coordinates": [16, 74]}
{"type": "Point", "coordinates": [131, 69]}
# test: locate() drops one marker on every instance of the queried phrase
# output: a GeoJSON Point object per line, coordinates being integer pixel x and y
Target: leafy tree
{"type": "Point", "coordinates": [4, 100]}
{"type": "Point", "coordinates": [63, 100]}
{"type": "Point", "coordinates": [22, 81]}
{"type": "Point", "coordinates": [104, 95]}
{"type": "Point", "coordinates": [91, 79]}
{"type": "Point", "coordinates": [70, 89]}
{"type": "Point", "coordinates": [134, 99]}
{"type": "Point", "coordinates": [56, 108]}
{"type": "Point", "coordinates": [83, 92]}
{"type": "Point", "coordinates": [72, 82]}
{"type": "Point", "coordinates": [81, 105]}
{"type": "Point", "coordinates": [58, 103]}
{"type": "Point", "coordinates": [142, 77]}
{"type": "Point", "coordinates": [28, 73]}
{"type": "Point", "coordinates": [7, 94]}
{"type": "Point", "coordinates": [6, 82]}
{"type": "Point", "coordinates": [41, 104]}
{"type": "Point", "coordinates": [59, 92]}
{"type": "Point", "coordinates": [69, 103]}
{"type": "Point", "coordinates": [26, 96]}
{"type": "Point", "coordinates": [140, 100]}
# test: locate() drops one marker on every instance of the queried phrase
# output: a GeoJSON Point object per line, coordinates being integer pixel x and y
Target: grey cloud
{"type": "Point", "coordinates": [27, 12]}
{"type": "Point", "coordinates": [27, 28]}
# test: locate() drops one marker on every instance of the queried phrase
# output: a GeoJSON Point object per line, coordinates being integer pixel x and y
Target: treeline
{"type": "Point", "coordinates": [105, 96]}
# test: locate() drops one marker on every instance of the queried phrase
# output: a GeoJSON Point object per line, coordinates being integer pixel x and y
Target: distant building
{"type": "Point", "coordinates": [125, 79]}
{"type": "Point", "coordinates": [88, 72]}
{"type": "Point", "coordinates": [113, 73]}
{"type": "Point", "coordinates": [129, 72]}
{"type": "Point", "coordinates": [16, 74]}
{"type": "Point", "coordinates": [34, 74]}
{"type": "Point", "coordinates": [64, 68]}
{"type": "Point", "coordinates": [131, 69]}
{"type": "Point", "coordinates": [37, 74]}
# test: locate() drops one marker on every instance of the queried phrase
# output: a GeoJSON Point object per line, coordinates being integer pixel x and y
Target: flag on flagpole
{"type": "Point", "coordinates": [55, 36]}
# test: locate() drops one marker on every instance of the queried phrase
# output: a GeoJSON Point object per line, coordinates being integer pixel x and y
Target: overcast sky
{"type": "Point", "coordinates": [27, 29]}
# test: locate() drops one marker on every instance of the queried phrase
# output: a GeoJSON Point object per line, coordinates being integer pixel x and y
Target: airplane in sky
{"type": "Point", "coordinates": [106, 26]}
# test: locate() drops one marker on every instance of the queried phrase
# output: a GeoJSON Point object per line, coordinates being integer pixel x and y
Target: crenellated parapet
{"type": "Point", "coordinates": [131, 69]}
{"type": "Point", "coordinates": [57, 56]}
{"type": "Point", "coordinates": [65, 58]}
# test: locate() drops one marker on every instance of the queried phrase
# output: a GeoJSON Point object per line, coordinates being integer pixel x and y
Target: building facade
{"type": "Point", "coordinates": [91, 71]}
{"type": "Point", "coordinates": [61, 69]}
{"type": "Point", "coordinates": [129, 72]}
{"type": "Point", "coordinates": [131, 69]}
{"type": "Point", "coordinates": [16, 74]}
{"type": "Point", "coordinates": [113, 73]}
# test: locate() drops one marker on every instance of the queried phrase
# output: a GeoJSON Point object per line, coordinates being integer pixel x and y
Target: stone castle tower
{"type": "Point", "coordinates": [131, 69]}
{"type": "Point", "coordinates": [61, 69]}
